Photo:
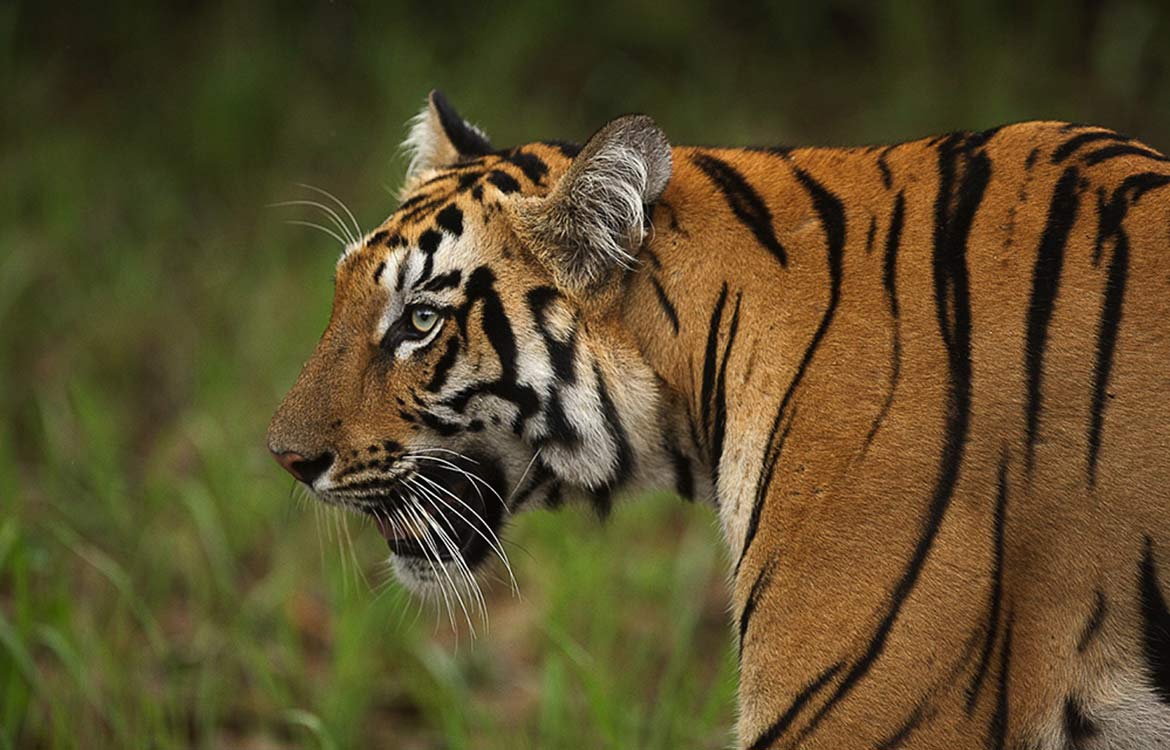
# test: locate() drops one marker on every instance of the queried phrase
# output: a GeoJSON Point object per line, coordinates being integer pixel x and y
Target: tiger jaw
{"type": "Point", "coordinates": [447, 509]}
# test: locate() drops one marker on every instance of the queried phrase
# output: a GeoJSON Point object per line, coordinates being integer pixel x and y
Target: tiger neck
{"type": "Point", "coordinates": [682, 307]}
{"type": "Point", "coordinates": [686, 305]}
{"type": "Point", "coordinates": [609, 428]}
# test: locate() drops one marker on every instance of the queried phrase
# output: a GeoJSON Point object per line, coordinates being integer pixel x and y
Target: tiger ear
{"type": "Point", "coordinates": [439, 137]}
{"type": "Point", "coordinates": [592, 222]}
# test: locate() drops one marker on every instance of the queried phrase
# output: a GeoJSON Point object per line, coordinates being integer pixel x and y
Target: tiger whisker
{"type": "Point", "coordinates": [472, 477]}
{"type": "Point", "coordinates": [340, 544]}
{"type": "Point", "coordinates": [465, 571]}
{"type": "Point", "coordinates": [520, 481]}
{"type": "Point", "coordinates": [428, 550]}
{"type": "Point", "coordinates": [320, 228]}
{"type": "Point", "coordinates": [465, 457]}
{"type": "Point", "coordinates": [453, 467]}
{"type": "Point", "coordinates": [385, 584]}
{"type": "Point", "coordinates": [443, 538]}
{"type": "Point", "coordinates": [427, 596]}
{"type": "Point", "coordinates": [483, 522]}
{"type": "Point", "coordinates": [337, 222]}
{"type": "Point", "coordinates": [357, 227]}
{"type": "Point", "coordinates": [361, 576]}
{"type": "Point", "coordinates": [493, 541]}
{"type": "Point", "coordinates": [428, 520]}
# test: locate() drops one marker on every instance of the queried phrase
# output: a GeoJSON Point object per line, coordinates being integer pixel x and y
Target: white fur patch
{"type": "Point", "coordinates": [1125, 714]}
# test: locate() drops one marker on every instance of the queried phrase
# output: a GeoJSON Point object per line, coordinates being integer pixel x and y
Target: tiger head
{"type": "Point", "coordinates": [477, 361]}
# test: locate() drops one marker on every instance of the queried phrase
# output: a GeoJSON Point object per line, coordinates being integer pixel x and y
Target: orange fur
{"type": "Point", "coordinates": [887, 367]}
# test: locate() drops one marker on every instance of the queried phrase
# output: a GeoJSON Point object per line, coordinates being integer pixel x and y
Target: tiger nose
{"type": "Point", "coordinates": [307, 470]}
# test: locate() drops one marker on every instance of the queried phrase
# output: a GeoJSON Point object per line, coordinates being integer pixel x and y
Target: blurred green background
{"type": "Point", "coordinates": [162, 584]}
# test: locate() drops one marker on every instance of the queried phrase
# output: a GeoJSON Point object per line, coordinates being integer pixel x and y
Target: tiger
{"type": "Point", "coordinates": [923, 387]}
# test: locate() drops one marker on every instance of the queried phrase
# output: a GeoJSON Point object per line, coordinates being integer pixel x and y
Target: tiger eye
{"type": "Point", "coordinates": [423, 319]}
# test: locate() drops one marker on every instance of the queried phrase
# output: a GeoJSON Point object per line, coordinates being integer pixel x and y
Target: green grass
{"type": "Point", "coordinates": [161, 585]}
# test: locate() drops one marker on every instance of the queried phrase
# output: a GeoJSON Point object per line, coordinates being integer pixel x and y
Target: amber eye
{"type": "Point", "coordinates": [424, 318]}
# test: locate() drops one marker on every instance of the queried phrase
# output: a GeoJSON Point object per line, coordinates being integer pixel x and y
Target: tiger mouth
{"type": "Point", "coordinates": [440, 512]}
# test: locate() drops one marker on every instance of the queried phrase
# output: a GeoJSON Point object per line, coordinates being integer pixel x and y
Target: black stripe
{"type": "Point", "coordinates": [625, 454]}
{"type": "Point", "coordinates": [996, 595]}
{"type": "Point", "coordinates": [744, 201]}
{"type": "Point", "coordinates": [1067, 148]}
{"type": "Point", "coordinates": [1110, 226]}
{"type": "Point", "coordinates": [709, 361]}
{"type": "Point", "coordinates": [449, 280]}
{"type": "Point", "coordinates": [1137, 185]}
{"type": "Point", "coordinates": [684, 480]}
{"type": "Point", "coordinates": [666, 304]}
{"type": "Point", "coordinates": [530, 164]}
{"type": "Point", "coordinates": [890, 282]}
{"type": "Point", "coordinates": [428, 242]}
{"type": "Point", "coordinates": [832, 216]}
{"type": "Point", "coordinates": [562, 354]}
{"type": "Point", "coordinates": [884, 167]}
{"type": "Point", "coordinates": [494, 320]}
{"type": "Point", "coordinates": [440, 425]}
{"type": "Point", "coordinates": [763, 578]}
{"type": "Point", "coordinates": [378, 271]}
{"type": "Point", "coordinates": [1094, 623]}
{"type": "Point", "coordinates": [719, 423]}
{"type": "Point", "coordinates": [1119, 150]}
{"type": "Point", "coordinates": [414, 200]}
{"type": "Point", "coordinates": [998, 726]}
{"type": "Point", "coordinates": [1108, 324]}
{"type": "Point", "coordinates": [450, 220]}
{"type": "Point", "coordinates": [964, 172]}
{"type": "Point", "coordinates": [567, 149]}
{"type": "Point", "coordinates": [465, 171]}
{"type": "Point", "coordinates": [1155, 626]}
{"type": "Point", "coordinates": [870, 234]}
{"type": "Point", "coordinates": [468, 180]}
{"type": "Point", "coordinates": [556, 496]}
{"type": "Point", "coordinates": [602, 501]}
{"type": "Point", "coordinates": [757, 508]}
{"type": "Point", "coordinates": [563, 358]}
{"type": "Point", "coordinates": [897, 740]}
{"type": "Point", "coordinates": [772, 733]}
{"type": "Point", "coordinates": [444, 365]}
{"type": "Point", "coordinates": [497, 329]}
{"type": "Point", "coordinates": [503, 181]}
{"type": "Point", "coordinates": [1077, 726]}
{"type": "Point", "coordinates": [1062, 214]}
{"type": "Point", "coordinates": [421, 208]}
{"type": "Point", "coordinates": [1030, 160]}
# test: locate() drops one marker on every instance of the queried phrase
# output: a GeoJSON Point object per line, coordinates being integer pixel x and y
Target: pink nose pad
{"type": "Point", "coordinates": [307, 470]}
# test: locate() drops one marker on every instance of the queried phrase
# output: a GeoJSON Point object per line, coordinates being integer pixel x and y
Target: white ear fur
{"type": "Point", "coordinates": [439, 137]}
{"type": "Point", "coordinates": [593, 220]}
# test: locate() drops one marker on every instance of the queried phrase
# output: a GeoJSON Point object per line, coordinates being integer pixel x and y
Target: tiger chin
{"type": "Point", "coordinates": [922, 385]}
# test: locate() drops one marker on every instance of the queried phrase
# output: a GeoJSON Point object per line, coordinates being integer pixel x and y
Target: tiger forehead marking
{"type": "Point", "coordinates": [923, 384]}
